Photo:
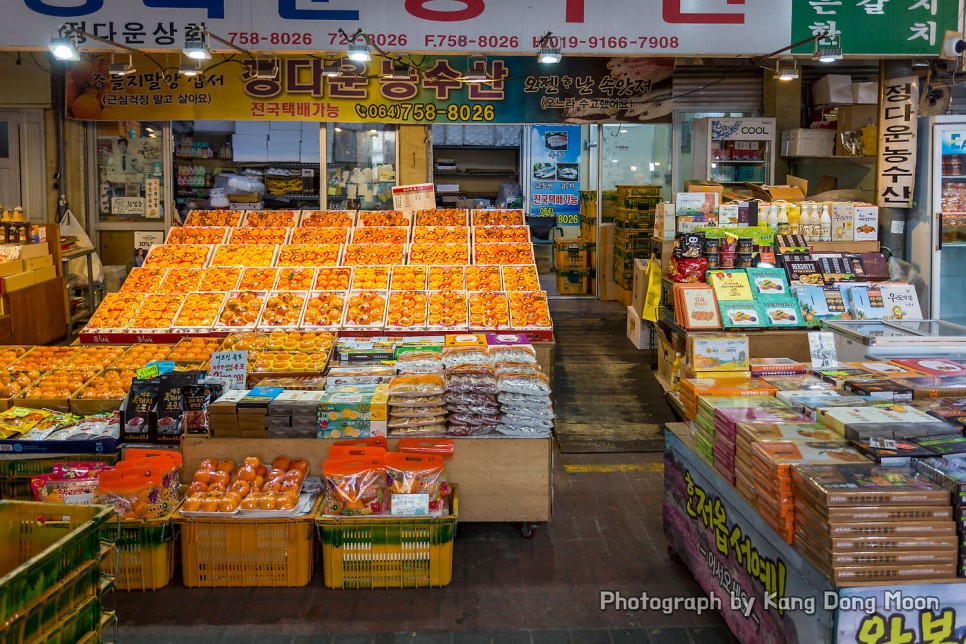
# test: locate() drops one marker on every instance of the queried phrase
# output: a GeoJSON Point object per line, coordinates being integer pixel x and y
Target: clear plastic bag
{"type": "Point", "coordinates": [514, 420]}
{"type": "Point", "coordinates": [470, 399]}
{"type": "Point", "coordinates": [522, 368]}
{"type": "Point", "coordinates": [524, 384]}
{"type": "Point", "coordinates": [472, 419]}
{"type": "Point", "coordinates": [420, 362]}
{"type": "Point", "coordinates": [460, 429]}
{"type": "Point", "coordinates": [422, 430]}
{"type": "Point", "coordinates": [487, 410]}
{"type": "Point", "coordinates": [513, 353]}
{"type": "Point", "coordinates": [403, 423]}
{"type": "Point", "coordinates": [416, 386]}
{"type": "Point", "coordinates": [417, 412]}
{"type": "Point", "coordinates": [424, 401]}
{"type": "Point", "coordinates": [466, 379]}
{"type": "Point", "coordinates": [531, 412]}
{"type": "Point", "coordinates": [539, 401]}
{"type": "Point", "coordinates": [466, 356]}
{"type": "Point", "coordinates": [521, 432]}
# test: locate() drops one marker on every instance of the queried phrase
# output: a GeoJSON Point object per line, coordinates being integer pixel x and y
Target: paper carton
{"type": "Point", "coordinates": [865, 222]}
{"type": "Point", "coordinates": [843, 216]}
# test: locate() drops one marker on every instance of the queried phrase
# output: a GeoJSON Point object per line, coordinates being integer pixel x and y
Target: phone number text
{"type": "Point", "coordinates": [453, 112]}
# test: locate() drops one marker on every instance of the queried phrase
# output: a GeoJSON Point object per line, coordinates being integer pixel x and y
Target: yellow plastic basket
{"type": "Point", "coordinates": [388, 552]}
{"type": "Point", "coordinates": [146, 552]}
{"type": "Point", "coordinates": [236, 552]}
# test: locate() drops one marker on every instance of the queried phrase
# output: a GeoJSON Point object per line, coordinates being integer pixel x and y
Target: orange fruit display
{"type": "Point", "coordinates": [196, 235]}
{"type": "Point", "coordinates": [220, 278]}
{"type": "Point", "coordinates": [241, 309]}
{"type": "Point", "coordinates": [143, 280]}
{"type": "Point", "coordinates": [263, 361]}
{"type": "Point", "coordinates": [521, 278]}
{"type": "Point", "coordinates": [141, 354]}
{"type": "Point", "coordinates": [370, 278]}
{"type": "Point", "coordinates": [407, 310]}
{"type": "Point", "coordinates": [115, 311]}
{"type": "Point", "coordinates": [157, 312]}
{"type": "Point", "coordinates": [13, 382]}
{"type": "Point", "coordinates": [194, 349]}
{"type": "Point", "coordinates": [221, 487]}
{"type": "Point", "coordinates": [333, 279]}
{"type": "Point", "coordinates": [269, 219]}
{"type": "Point", "coordinates": [327, 235]}
{"type": "Point", "coordinates": [326, 219]}
{"type": "Point", "coordinates": [489, 311]}
{"type": "Point", "coordinates": [113, 384]}
{"type": "Point", "coordinates": [41, 359]}
{"type": "Point", "coordinates": [309, 255]}
{"type": "Point", "coordinates": [503, 254]}
{"type": "Point", "coordinates": [374, 255]}
{"type": "Point", "coordinates": [409, 278]}
{"type": "Point", "coordinates": [323, 309]}
{"type": "Point", "coordinates": [365, 309]}
{"type": "Point", "coordinates": [441, 235]}
{"type": "Point", "coordinates": [181, 280]}
{"type": "Point", "coordinates": [383, 218]}
{"type": "Point", "coordinates": [228, 218]}
{"type": "Point", "coordinates": [243, 255]}
{"type": "Point", "coordinates": [258, 279]}
{"type": "Point", "coordinates": [529, 309]}
{"type": "Point", "coordinates": [447, 278]}
{"type": "Point", "coordinates": [259, 235]}
{"type": "Point", "coordinates": [56, 384]}
{"type": "Point", "coordinates": [441, 217]}
{"type": "Point", "coordinates": [94, 358]}
{"type": "Point", "coordinates": [295, 279]}
{"type": "Point", "coordinates": [501, 234]}
{"type": "Point", "coordinates": [483, 278]}
{"type": "Point", "coordinates": [447, 310]}
{"type": "Point", "coordinates": [9, 354]}
{"type": "Point", "coordinates": [178, 256]}
{"type": "Point", "coordinates": [199, 311]}
{"type": "Point", "coordinates": [440, 254]}
{"type": "Point", "coordinates": [282, 309]}
{"type": "Point", "coordinates": [380, 235]}
{"type": "Point", "coordinates": [498, 218]}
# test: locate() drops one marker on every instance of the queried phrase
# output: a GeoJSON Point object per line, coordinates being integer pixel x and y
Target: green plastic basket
{"type": "Point", "coordinates": [27, 467]}
{"type": "Point", "coordinates": [48, 611]}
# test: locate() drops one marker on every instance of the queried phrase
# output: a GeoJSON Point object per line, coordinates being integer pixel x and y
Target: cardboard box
{"type": "Point", "coordinates": [843, 214]}
{"type": "Point", "coordinates": [696, 203]}
{"type": "Point", "coordinates": [866, 223]}
{"type": "Point", "coordinates": [11, 268]}
{"type": "Point", "coordinates": [776, 193]}
{"type": "Point", "coordinates": [664, 221]}
{"type": "Point", "coordinates": [19, 281]}
{"type": "Point", "coordinates": [637, 333]}
{"type": "Point", "coordinates": [865, 93]}
{"type": "Point", "coordinates": [833, 89]}
{"type": "Point", "coordinates": [639, 288]}
{"type": "Point", "coordinates": [35, 263]}
{"type": "Point", "coordinates": [700, 185]}
{"type": "Point", "coordinates": [808, 143]}
{"type": "Point", "coordinates": [44, 274]}
{"type": "Point", "coordinates": [853, 118]}
{"type": "Point", "coordinates": [30, 251]}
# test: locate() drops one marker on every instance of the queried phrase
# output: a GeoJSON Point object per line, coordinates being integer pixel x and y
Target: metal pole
{"type": "Point", "coordinates": [58, 88]}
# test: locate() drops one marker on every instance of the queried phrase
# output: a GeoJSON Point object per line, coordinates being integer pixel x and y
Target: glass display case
{"type": "Point", "coordinates": [886, 339]}
{"type": "Point", "coordinates": [734, 150]}
{"type": "Point", "coordinates": [360, 166]}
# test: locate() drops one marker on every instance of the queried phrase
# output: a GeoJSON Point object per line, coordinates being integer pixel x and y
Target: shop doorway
{"type": "Point", "coordinates": [10, 159]}
{"type": "Point", "coordinates": [22, 171]}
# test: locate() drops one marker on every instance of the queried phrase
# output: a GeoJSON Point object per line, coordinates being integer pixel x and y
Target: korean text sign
{"type": "Point", "coordinates": [555, 173]}
{"type": "Point", "coordinates": [898, 130]}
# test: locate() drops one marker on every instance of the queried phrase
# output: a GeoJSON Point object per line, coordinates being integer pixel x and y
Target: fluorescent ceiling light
{"type": "Point", "coordinates": [64, 49]}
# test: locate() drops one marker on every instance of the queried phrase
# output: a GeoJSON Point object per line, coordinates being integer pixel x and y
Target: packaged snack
{"type": "Point", "coordinates": [471, 379]}
{"type": "Point", "coordinates": [423, 430]}
{"type": "Point", "coordinates": [517, 431]}
{"type": "Point", "coordinates": [354, 487]}
{"type": "Point", "coordinates": [135, 493]}
{"type": "Point", "coordinates": [523, 384]}
{"type": "Point", "coordinates": [17, 420]}
{"type": "Point", "coordinates": [50, 488]}
{"type": "Point", "coordinates": [462, 430]}
{"type": "Point", "coordinates": [137, 407]}
{"type": "Point", "coordinates": [195, 401]}
{"type": "Point", "coordinates": [416, 362]}
{"type": "Point", "coordinates": [530, 412]}
{"type": "Point", "coordinates": [416, 474]}
{"type": "Point", "coordinates": [508, 368]}
{"type": "Point", "coordinates": [513, 353]}
{"type": "Point", "coordinates": [528, 422]}
{"type": "Point", "coordinates": [409, 402]}
{"type": "Point", "coordinates": [487, 410]}
{"type": "Point", "coordinates": [417, 386]}
{"type": "Point", "coordinates": [406, 422]}
{"type": "Point", "coordinates": [327, 218]}
{"type": "Point", "coordinates": [684, 269]}
{"type": "Point", "coordinates": [471, 399]}
{"type": "Point", "coordinates": [461, 356]}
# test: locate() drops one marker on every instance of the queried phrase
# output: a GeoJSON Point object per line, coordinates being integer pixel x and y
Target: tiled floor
{"type": "Point", "coordinates": [605, 534]}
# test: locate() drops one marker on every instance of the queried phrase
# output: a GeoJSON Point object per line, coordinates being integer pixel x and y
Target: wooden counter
{"type": "Point", "coordinates": [38, 313]}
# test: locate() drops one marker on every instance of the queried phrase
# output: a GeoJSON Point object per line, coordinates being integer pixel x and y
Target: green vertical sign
{"type": "Point", "coordinates": [876, 27]}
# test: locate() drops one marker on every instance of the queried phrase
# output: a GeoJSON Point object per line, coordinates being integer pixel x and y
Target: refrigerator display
{"type": "Point", "coordinates": [734, 150]}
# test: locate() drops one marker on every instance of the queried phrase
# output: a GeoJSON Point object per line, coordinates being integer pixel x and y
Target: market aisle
{"type": "Point", "coordinates": [606, 534]}
{"type": "Point", "coordinates": [608, 399]}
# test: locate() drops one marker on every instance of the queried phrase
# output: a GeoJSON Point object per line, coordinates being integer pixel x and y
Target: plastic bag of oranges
{"type": "Point", "coordinates": [416, 474]}
{"type": "Point", "coordinates": [135, 493]}
{"type": "Point", "coordinates": [354, 487]}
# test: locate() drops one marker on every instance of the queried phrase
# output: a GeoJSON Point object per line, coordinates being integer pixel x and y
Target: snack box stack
{"type": "Point", "coordinates": [354, 414]}
{"type": "Point", "coordinates": [726, 421]}
{"type": "Point", "coordinates": [773, 461]}
{"type": "Point", "coordinates": [764, 367]}
{"type": "Point", "coordinates": [416, 405]}
{"type": "Point", "coordinates": [950, 473]}
{"type": "Point", "coordinates": [524, 392]}
{"type": "Point", "coordinates": [748, 434]}
{"type": "Point", "coordinates": [852, 421]}
{"type": "Point", "coordinates": [470, 391]}
{"type": "Point", "coordinates": [809, 402]}
{"type": "Point", "coordinates": [798, 382]}
{"type": "Point", "coordinates": [692, 388]}
{"type": "Point", "coordinates": [294, 414]}
{"type": "Point", "coordinates": [864, 522]}
{"type": "Point", "coordinates": [704, 425]}
{"type": "Point", "coordinates": [241, 413]}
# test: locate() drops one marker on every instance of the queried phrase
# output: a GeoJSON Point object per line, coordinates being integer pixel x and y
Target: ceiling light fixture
{"type": "Point", "coordinates": [548, 54]}
{"type": "Point", "coordinates": [786, 70]}
{"type": "Point", "coordinates": [196, 45]}
{"type": "Point", "coordinates": [828, 48]}
{"type": "Point", "coordinates": [399, 71]}
{"type": "Point", "coordinates": [64, 48]}
{"type": "Point", "coordinates": [263, 68]}
{"type": "Point", "coordinates": [476, 70]}
{"type": "Point", "coordinates": [359, 52]}
{"type": "Point", "coordinates": [123, 69]}
{"type": "Point", "coordinates": [332, 69]}
{"type": "Point", "coordinates": [190, 70]}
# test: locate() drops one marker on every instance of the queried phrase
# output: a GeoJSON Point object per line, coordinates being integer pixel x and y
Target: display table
{"type": "Point", "coordinates": [501, 479]}
{"type": "Point", "coordinates": [767, 591]}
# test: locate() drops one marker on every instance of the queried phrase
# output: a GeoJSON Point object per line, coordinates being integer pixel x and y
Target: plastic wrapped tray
{"type": "Point", "coordinates": [442, 217]}
{"type": "Point", "coordinates": [408, 278]}
{"type": "Point", "coordinates": [228, 218]}
{"type": "Point", "coordinates": [270, 218]}
{"type": "Point", "coordinates": [447, 278]}
{"type": "Point", "coordinates": [144, 280]}
{"type": "Point", "coordinates": [484, 279]}
{"type": "Point", "coordinates": [365, 310]}
{"type": "Point", "coordinates": [282, 310]}
{"type": "Point", "coordinates": [156, 313]}
{"type": "Point", "coordinates": [220, 279]}
{"type": "Point", "coordinates": [501, 234]}
{"type": "Point", "coordinates": [248, 255]}
{"type": "Point", "coordinates": [197, 235]}
{"type": "Point", "coordinates": [448, 311]}
{"type": "Point", "coordinates": [384, 218]}
{"type": "Point", "coordinates": [441, 234]}
{"type": "Point", "coordinates": [320, 235]}
{"type": "Point", "coordinates": [259, 235]}
{"type": "Point", "coordinates": [327, 219]}
{"type": "Point", "coordinates": [435, 254]}
{"type": "Point", "coordinates": [179, 256]}
{"type": "Point", "coordinates": [504, 217]}
{"type": "Point", "coordinates": [374, 255]}
{"type": "Point", "coordinates": [179, 281]}
{"type": "Point", "coordinates": [309, 255]}
{"type": "Point", "coordinates": [258, 279]}
{"type": "Point", "coordinates": [323, 310]}
{"type": "Point", "coordinates": [241, 311]}
{"type": "Point", "coordinates": [521, 278]}
{"type": "Point", "coordinates": [406, 310]}
{"type": "Point", "coordinates": [529, 310]}
{"type": "Point", "coordinates": [297, 278]}
{"type": "Point", "coordinates": [333, 279]}
{"type": "Point", "coordinates": [370, 278]}
{"type": "Point", "coordinates": [380, 235]}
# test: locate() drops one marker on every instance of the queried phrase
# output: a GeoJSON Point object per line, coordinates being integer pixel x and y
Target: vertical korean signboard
{"type": "Point", "coordinates": [555, 173]}
{"type": "Point", "coordinates": [898, 126]}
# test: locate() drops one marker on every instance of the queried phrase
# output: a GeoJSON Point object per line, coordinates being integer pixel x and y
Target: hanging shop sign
{"type": "Point", "coordinates": [898, 128]}
{"type": "Point", "coordinates": [520, 90]}
{"type": "Point", "coordinates": [875, 27]}
{"type": "Point", "coordinates": [555, 176]}
{"type": "Point", "coordinates": [679, 27]}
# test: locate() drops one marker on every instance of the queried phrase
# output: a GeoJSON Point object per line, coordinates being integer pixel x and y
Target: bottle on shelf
{"type": "Point", "coordinates": [771, 218]}
{"type": "Point", "coordinates": [826, 224]}
{"type": "Point", "coordinates": [783, 219]}
{"type": "Point", "coordinates": [794, 219]}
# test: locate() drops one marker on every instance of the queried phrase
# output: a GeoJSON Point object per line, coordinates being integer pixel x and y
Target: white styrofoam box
{"type": "Point", "coordinates": [454, 135]}
{"type": "Point", "coordinates": [865, 93]}
{"type": "Point", "coordinates": [250, 154]}
{"type": "Point", "coordinates": [283, 150]}
{"type": "Point", "coordinates": [249, 140]}
{"type": "Point", "coordinates": [808, 143]}
{"type": "Point", "coordinates": [285, 126]}
{"type": "Point", "coordinates": [833, 89]}
{"type": "Point", "coordinates": [637, 332]}
{"type": "Point", "coordinates": [251, 127]}
{"type": "Point", "coordinates": [477, 135]}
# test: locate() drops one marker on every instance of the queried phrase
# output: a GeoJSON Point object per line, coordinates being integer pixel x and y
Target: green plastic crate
{"type": "Point", "coordinates": [53, 607]}
{"type": "Point", "coordinates": [27, 467]}
{"type": "Point", "coordinates": [40, 544]}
